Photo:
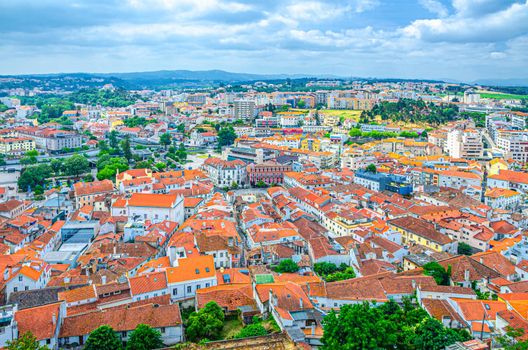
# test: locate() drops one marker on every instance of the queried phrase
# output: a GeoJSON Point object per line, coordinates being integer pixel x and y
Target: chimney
{"type": "Point", "coordinates": [313, 328]}
{"type": "Point", "coordinates": [466, 275]}
{"type": "Point", "coordinates": [413, 283]}
{"type": "Point", "coordinates": [103, 279]}
{"type": "Point", "coordinates": [54, 319]}
{"type": "Point", "coordinates": [301, 303]}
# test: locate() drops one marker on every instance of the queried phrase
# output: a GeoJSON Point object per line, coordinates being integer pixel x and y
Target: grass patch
{"type": "Point", "coordinates": [231, 328]}
{"type": "Point", "coordinates": [345, 113]}
{"type": "Point", "coordinates": [501, 96]}
{"type": "Point", "coordinates": [271, 325]}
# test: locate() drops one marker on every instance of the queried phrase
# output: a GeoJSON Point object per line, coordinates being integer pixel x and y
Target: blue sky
{"type": "Point", "coordinates": [439, 39]}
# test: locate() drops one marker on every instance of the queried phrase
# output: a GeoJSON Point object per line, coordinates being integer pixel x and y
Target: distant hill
{"type": "Point", "coordinates": [502, 82]}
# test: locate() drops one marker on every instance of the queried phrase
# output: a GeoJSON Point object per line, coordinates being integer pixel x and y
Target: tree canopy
{"type": "Point", "coordinates": [26, 341]}
{"type": "Point", "coordinates": [386, 326]}
{"type": "Point", "coordinates": [103, 338]}
{"type": "Point", "coordinates": [287, 265]}
{"type": "Point", "coordinates": [144, 337]}
{"type": "Point", "coordinates": [207, 323]}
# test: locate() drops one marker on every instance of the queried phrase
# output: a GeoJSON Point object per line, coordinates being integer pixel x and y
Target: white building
{"type": "Point", "coordinates": [244, 109]}
{"type": "Point", "coordinates": [156, 207]}
{"type": "Point", "coordinates": [225, 173]}
{"type": "Point", "coordinates": [464, 143]}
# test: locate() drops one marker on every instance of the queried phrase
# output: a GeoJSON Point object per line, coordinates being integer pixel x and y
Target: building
{"type": "Point", "coordinates": [225, 173]}
{"type": "Point", "coordinates": [513, 144]}
{"type": "Point", "coordinates": [421, 232]}
{"type": "Point", "coordinates": [85, 193]}
{"type": "Point", "coordinates": [383, 182]}
{"type": "Point", "coordinates": [244, 109]}
{"type": "Point", "coordinates": [268, 172]}
{"type": "Point", "coordinates": [16, 145]}
{"type": "Point", "coordinates": [156, 207]}
{"type": "Point", "coordinates": [464, 143]}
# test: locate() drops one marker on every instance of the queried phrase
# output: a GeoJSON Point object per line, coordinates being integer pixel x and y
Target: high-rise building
{"type": "Point", "coordinates": [244, 109]}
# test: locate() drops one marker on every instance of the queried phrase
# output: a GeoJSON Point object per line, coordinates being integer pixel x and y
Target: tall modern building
{"type": "Point", "coordinates": [244, 109]}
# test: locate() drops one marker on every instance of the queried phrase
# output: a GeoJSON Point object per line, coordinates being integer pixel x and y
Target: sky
{"type": "Point", "coordinates": [462, 40]}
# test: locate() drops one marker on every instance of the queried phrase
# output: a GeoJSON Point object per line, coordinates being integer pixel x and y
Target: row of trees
{"type": "Point", "coordinates": [143, 337]}
{"type": "Point", "coordinates": [378, 135]}
{"type": "Point", "coordinates": [36, 176]}
{"type": "Point", "coordinates": [408, 110]}
{"type": "Point", "coordinates": [330, 272]}
{"type": "Point", "coordinates": [386, 326]}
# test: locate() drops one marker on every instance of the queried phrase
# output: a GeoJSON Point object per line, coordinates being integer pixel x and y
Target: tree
{"type": "Point", "coordinates": [144, 337]}
{"type": "Point", "coordinates": [301, 104]}
{"type": "Point", "coordinates": [76, 165]}
{"type": "Point", "coordinates": [103, 147]}
{"type": "Point", "coordinates": [25, 342]}
{"type": "Point", "coordinates": [160, 166]}
{"type": "Point", "coordinates": [387, 326]}
{"type": "Point", "coordinates": [57, 165]}
{"type": "Point", "coordinates": [252, 330]}
{"type": "Point", "coordinates": [165, 139]}
{"type": "Point", "coordinates": [464, 248]}
{"type": "Point", "coordinates": [325, 268]}
{"type": "Point", "coordinates": [112, 137]}
{"type": "Point", "coordinates": [287, 265]}
{"type": "Point", "coordinates": [430, 334]}
{"type": "Point", "coordinates": [103, 338]}
{"type": "Point", "coordinates": [33, 176]}
{"type": "Point", "coordinates": [371, 168]}
{"type": "Point", "coordinates": [181, 128]}
{"type": "Point", "coordinates": [438, 272]}
{"type": "Point", "coordinates": [125, 147]}
{"type": "Point", "coordinates": [207, 323]}
{"type": "Point", "coordinates": [261, 184]}
{"type": "Point", "coordinates": [108, 166]}
{"type": "Point", "coordinates": [181, 153]}
{"type": "Point", "coordinates": [226, 136]}
{"type": "Point", "coordinates": [511, 340]}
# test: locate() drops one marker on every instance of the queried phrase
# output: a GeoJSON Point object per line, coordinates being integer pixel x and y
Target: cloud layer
{"type": "Point", "coordinates": [458, 39]}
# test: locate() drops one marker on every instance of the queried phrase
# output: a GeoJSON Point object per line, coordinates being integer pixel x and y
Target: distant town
{"type": "Point", "coordinates": [277, 213]}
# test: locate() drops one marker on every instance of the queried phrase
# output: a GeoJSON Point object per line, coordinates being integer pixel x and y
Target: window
{"type": "Point", "coordinates": [162, 330]}
{"type": "Point", "coordinates": [124, 334]}
{"type": "Point", "coordinates": [15, 289]}
{"type": "Point", "coordinates": [20, 278]}
{"type": "Point", "coordinates": [26, 288]}
{"type": "Point", "coordinates": [207, 285]}
{"type": "Point", "coordinates": [175, 291]}
{"type": "Point", "coordinates": [189, 289]}
{"type": "Point", "coordinates": [198, 287]}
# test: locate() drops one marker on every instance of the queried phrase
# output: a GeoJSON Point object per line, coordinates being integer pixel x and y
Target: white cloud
{"type": "Point", "coordinates": [435, 6]}
{"type": "Point", "coordinates": [502, 25]}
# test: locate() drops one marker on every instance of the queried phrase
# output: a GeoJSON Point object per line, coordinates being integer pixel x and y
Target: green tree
{"type": "Point", "coordinates": [181, 153]}
{"type": "Point", "coordinates": [464, 248]}
{"type": "Point", "coordinates": [287, 265]}
{"type": "Point", "coordinates": [226, 136]}
{"type": "Point", "coordinates": [252, 330]}
{"type": "Point", "coordinates": [165, 139]}
{"type": "Point", "coordinates": [103, 147]}
{"type": "Point", "coordinates": [57, 165]}
{"type": "Point", "coordinates": [325, 268]}
{"type": "Point", "coordinates": [76, 165]}
{"type": "Point", "coordinates": [26, 341]}
{"type": "Point", "coordinates": [108, 166]}
{"type": "Point", "coordinates": [144, 337]}
{"type": "Point", "coordinates": [32, 176]}
{"type": "Point", "coordinates": [430, 334]}
{"type": "Point", "coordinates": [207, 323]}
{"type": "Point", "coordinates": [112, 138]}
{"type": "Point", "coordinates": [511, 340]}
{"type": "Point", "coordinates": [371, 168]}
{"type": "Point", "coordinates": [301, 104]}
{"type": "Point", "coordinates": [125, 147]}
{"type": "Point", "coordinates": [438, 272]}
{"type": "Point", "coordinates": [355, 132]}
{"type": "Point", "coordinates": [161, 166]}
{"type": "Point", "coordinates": [181, 128]}
{"type": "Point", "coordinates": [261, 184]}
{"type": "Point", "coordinates": [103, 338]}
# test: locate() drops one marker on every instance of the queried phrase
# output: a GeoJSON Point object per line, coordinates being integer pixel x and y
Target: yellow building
{"type": "Point", "coordinates": [310, 144]}
{"type": "Point", "coordinates": [496, 165]}
{"type": "Point", "coordinates": [420, 232]}
{"type": "Point", "coordinates": [16, 145]}
{"type": "Point", "coordinates": [132, 174]}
